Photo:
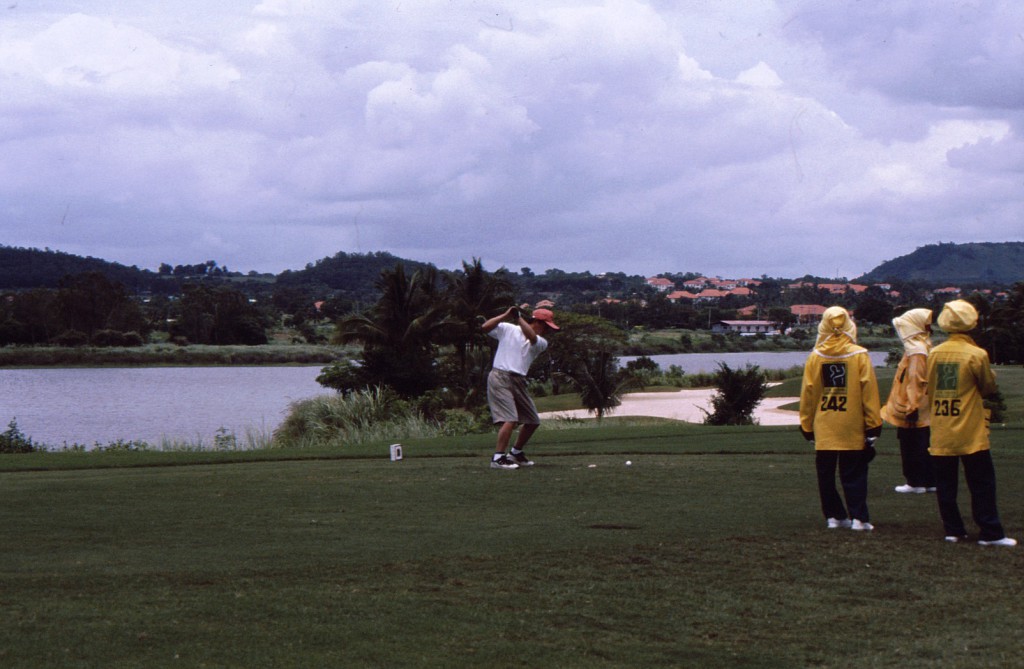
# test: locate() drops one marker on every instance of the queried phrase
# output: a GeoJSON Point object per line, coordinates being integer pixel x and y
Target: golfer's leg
{"type": "Point", "coordinates": [525, 432]}
{"type": "Point", "coordinates": [504, 436]}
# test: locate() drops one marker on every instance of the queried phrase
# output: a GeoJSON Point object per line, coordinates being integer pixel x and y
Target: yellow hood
{"type": "Point", "coordinates": [836, 330]}
{"type": "Point", "coordinates": [958, 316]}
{"type": "Point", "coordinates": [912, 328]}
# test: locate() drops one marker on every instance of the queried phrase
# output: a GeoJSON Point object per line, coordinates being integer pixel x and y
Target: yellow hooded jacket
{"type": "Point", "coordinates": [907, 405]}
{"type": "Point", "coordinates": [959, 378]}
{"type": "Point", "coordinates": [839, 400]}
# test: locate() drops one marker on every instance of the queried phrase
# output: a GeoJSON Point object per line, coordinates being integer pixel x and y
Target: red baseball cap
{"type": "Point", "coordinates": [546, 316]}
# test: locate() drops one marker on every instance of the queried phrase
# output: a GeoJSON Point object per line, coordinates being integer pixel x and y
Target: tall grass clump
{"type": "Point", "coordinates": [254, 439]}
{"type": "Point", "coordinates": [358, 417]}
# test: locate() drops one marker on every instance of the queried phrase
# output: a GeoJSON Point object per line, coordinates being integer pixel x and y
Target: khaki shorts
{"type": "Point", "coordinates": [508, 399]}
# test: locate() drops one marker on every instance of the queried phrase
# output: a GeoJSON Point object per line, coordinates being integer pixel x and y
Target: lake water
{"type": "Point", "coordinates": [696, 363]}
{"type": "Point", "coordinates": [84, 406]}
{"type": "Point", "coordinates": [191, 404]}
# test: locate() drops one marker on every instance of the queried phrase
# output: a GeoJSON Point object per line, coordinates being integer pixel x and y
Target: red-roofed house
{"type": "Point", "coordinates": [807, 313]}
{"type": "Point", "coordinates": [677, 295]}
{"type": "Point", "coordinates": [710, 294]}
{"type": "Point", "coordinates": [660, 283]}
{"type": "Point", "coordinates": [696, 284]}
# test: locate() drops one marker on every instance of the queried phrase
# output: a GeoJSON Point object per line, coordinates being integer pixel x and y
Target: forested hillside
{"type": "Point", "coordinates": [354, 274]}
{"type": "Point", "coordinates": [33, 268]}
{"type": "Point", "coordinates": [985, 264]}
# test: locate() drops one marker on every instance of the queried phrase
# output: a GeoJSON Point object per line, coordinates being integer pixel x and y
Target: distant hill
{"type": "Point", "coordinates": [352, 273]}
{"type": "Point", "coordinates": [31, 268]}
{"type": "Point", "coordinates": [986, 263]}
{"type": "Point", "coordinates": [355, 274]}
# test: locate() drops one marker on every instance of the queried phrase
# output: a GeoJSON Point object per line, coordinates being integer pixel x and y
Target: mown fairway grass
{"type": "Point", "coordinates": [709, 551]}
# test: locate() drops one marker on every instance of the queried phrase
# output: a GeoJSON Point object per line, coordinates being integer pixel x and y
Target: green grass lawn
{"type": "Point", "coordinates": [709, 551]}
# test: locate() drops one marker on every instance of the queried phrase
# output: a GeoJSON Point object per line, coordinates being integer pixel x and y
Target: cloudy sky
{"type": "Point", "coordinates": [734, 137]}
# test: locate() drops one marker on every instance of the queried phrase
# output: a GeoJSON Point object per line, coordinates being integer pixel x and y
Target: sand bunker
{"type": "Point", "coordinates": [686, 405]}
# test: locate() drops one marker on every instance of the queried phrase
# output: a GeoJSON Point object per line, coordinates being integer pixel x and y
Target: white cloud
{"type": "Point", "coordinates": [760, 75]}
{"type": "Point", "coordinates": [84, 52]}
{"type": "Point", "coordinates": [619, 134]}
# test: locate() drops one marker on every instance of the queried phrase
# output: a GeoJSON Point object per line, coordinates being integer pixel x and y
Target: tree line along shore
{"type": "Point", "coordinates": [640, 343]}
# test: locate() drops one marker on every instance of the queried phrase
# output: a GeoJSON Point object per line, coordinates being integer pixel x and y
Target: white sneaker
{"type": "Point", "coordinates": [907, 488]}
{"type": "Point", "coordinates": [503, 463]}
{"type": "Point", "coordinates": [1005, 541]}
{"type": "Point", "coordinates": [835, 523]}
{"type": "Point", "coordinates": [955, 539]}
{"type": "Point", "coordinates": [861, 526]}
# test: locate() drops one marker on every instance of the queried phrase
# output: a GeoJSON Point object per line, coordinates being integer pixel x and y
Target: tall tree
{"type": "Point", "coordinates": [90, 302]}
{"type": "Point", "coordinates": [219, 316]}
{"type": "Point", "coordinates": [399, 332]}
{"type": "Point", "coordinates": [585, 351]}
{"type": "Point", "coordinates": [471, 296]}
{"type": "Point", "coordinates": [29, 317]}
{"type": "Point", "coordinates": [1003, 335]}
{"type": "Point", "coordinates": [874, 307]}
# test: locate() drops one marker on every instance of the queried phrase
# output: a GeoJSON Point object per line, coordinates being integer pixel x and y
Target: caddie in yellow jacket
{"type": "Point", "coordinates": [959, 377]}
{"type": "Point", "coordinates": [840, 415]}
{"type": "Point", "coordinates": [907, 406]}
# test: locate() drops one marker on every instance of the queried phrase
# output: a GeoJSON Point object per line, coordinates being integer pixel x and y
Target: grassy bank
{"type": "Point", "coordinates": [155, 355]}
{"type": "Point", "coordinates": [674, 340]}
{"type": "Point", "coordinates": [163, 353]}
{"type": "Point", "coordinates": [708, 551]}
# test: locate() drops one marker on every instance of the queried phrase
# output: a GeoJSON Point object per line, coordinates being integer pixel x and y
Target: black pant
{"type": "Point", "coordinates": [980, 475]}
{"type": "Point", "coordinates": [918, 468]}
{"type": "Point", "coordinates": [853, 474]}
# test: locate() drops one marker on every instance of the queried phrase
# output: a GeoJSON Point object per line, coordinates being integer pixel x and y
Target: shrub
{"type": "Point", "coordinates": [341, 375]}
{"type": "Point", "coordinates": [13, 441]}
{"type": "Point", "coordinates": [71, 338]}
{"type": "Point", "coordinates": [739, 393]}
{"type": "Point", "coordinates": [538, 389]}
{"type": "Point", "coordinates": [133, 339]}
{"type": "Point", "coordinates": [893, 357]}
{"type": "Point", "coordinates": [110, 338]}
{"type": "Point", "coordinates": [455, 422]}
{"type": "Point", "coordinates": [121, 445]}
{"type": "Point", "coordinates": [643, 371]}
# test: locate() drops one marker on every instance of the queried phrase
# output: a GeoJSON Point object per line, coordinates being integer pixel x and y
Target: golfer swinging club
{"type": "Point", "coordinates": [519, 345]}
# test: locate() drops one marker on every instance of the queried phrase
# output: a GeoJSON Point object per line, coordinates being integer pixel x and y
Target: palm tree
{"type": "Point", "coordinates": [585, 352]}
{"type": "Point", "coordinates": [399, 333]}
{"type": "Point", "coordinates": [600, 382]}
{"type": "Point", "coordinates": [470, 296]}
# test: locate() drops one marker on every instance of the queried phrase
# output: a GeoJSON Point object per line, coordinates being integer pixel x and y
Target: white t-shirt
{"type": "Point", "coordinates": [515, 354]}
